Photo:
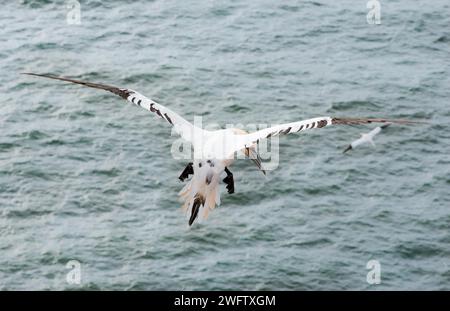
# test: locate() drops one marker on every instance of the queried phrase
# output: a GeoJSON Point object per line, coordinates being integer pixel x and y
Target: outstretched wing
{"type": "Point", "coordinates": [184, 128]}
{"type": "Point", "coordinates": [248, 140]}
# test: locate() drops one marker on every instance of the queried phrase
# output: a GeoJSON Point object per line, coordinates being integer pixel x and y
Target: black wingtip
{"type": "Point", "coordinates": [29, 74]}
{"type": "Point", "coordinates": [50, 76]}
{"type": "Point", "coordinates": [385, 126]}
{"type": "Point", "coordinates": [358, 121]}
{"type": "Point", "coordinates": [347, 149]}
{"type": "Point", "coordinates": [124, 93]}
{"type": "Point", "coordinates": [33, 74]}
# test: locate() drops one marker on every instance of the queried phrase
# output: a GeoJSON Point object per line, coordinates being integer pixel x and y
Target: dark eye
{"type": "Point", "coordinates": [200, 164]}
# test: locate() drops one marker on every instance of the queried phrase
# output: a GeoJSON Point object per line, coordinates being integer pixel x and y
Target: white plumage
{"type": "Point", "coordinates": [214, 150]}
{"type": "Point", "coordinates": [366, 138]}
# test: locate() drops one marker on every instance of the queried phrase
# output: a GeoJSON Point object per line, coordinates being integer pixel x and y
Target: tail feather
{"type": "Point", "coordinates": [217, 195]}
{"type": "Point", "coordinates": [184, 196]}
{"type": "Point", "coordinates": [211, 201]}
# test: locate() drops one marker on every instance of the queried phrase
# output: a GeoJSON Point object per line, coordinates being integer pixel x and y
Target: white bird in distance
{"type": "Point", "coordinates": [366, 138]}
{"type": "Point", "coordinates": [214, 150]}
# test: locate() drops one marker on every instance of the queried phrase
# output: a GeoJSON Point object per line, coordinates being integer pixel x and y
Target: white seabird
{"type": "Point", "coordinates": [366, 138]}
{"type": "Point", "coordinates": [214, 150]}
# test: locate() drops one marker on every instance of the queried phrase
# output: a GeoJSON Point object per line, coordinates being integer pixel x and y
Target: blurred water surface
{"type": "Point", "coordinates": [85, 176]}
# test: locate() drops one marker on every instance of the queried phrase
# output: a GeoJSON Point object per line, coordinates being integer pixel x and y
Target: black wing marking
{"type": "Point", "coordinates": [183, 127]}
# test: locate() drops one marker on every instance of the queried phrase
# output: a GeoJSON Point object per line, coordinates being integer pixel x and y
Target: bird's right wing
{"type": "Point", "coordinates": [184, 128]}
{"type": "Point", "coordinates": [245, 141]}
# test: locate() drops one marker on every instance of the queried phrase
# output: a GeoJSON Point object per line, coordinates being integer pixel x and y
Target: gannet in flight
{"type": "Point", "coordinates": [214, 150]}
{"type": "Point", "coordinates": [367, 138]}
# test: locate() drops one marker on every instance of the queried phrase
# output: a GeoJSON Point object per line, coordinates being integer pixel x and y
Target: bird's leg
{"type": "Point", "coordinates": [229, 181]}
{"type": "Point", "coordinates": [189, 170]}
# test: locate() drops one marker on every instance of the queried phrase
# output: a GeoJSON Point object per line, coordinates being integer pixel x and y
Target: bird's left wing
{"type": "Point", "coordinates": [183, 127]}
{"type": "Point", "coordinates": [248, 140]}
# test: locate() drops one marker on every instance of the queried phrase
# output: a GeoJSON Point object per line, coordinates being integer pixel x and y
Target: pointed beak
{"type": "Point", "coordinates": [254, 156]}
{"type": "Point", "coordinates": [209, 178]}
{"type": "Point", "coordinates": [258, 162]}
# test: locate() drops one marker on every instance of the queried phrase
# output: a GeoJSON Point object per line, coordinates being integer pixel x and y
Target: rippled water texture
{"type": "Point", "coordinates": [85, 176]}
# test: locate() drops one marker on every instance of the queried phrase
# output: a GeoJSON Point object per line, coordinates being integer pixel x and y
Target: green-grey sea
{"type": "Point", "coordinates": [86, 176]}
